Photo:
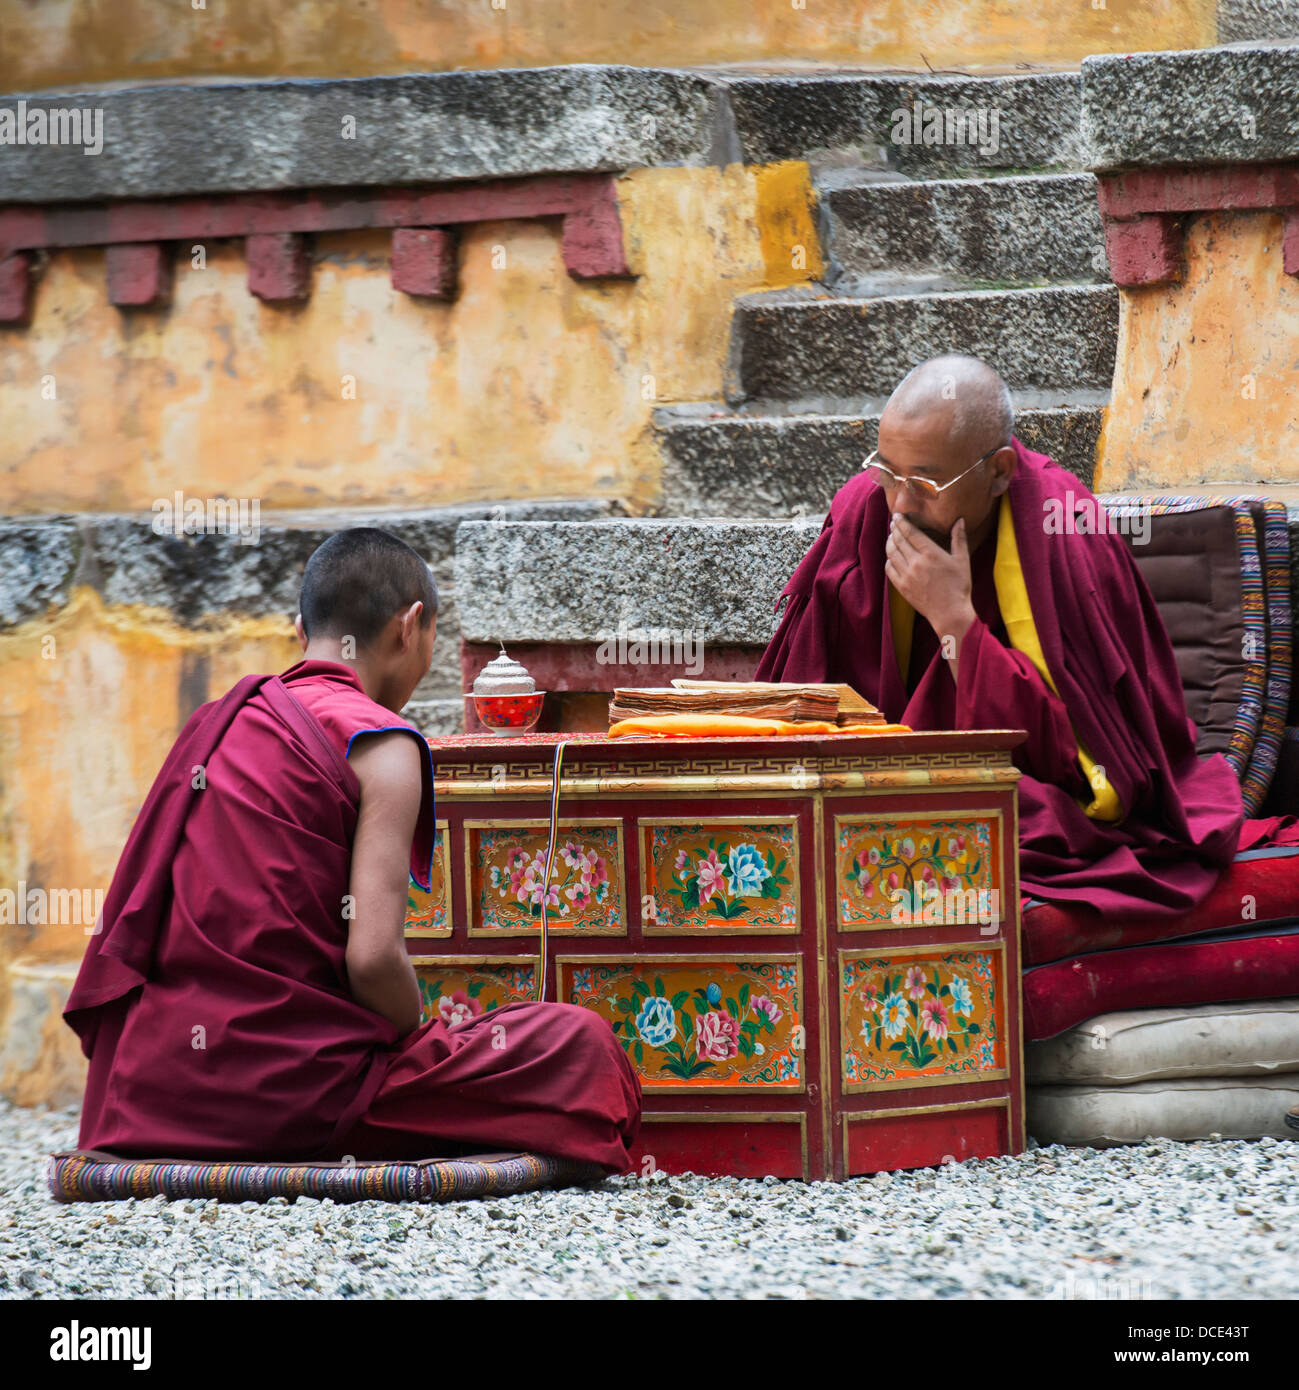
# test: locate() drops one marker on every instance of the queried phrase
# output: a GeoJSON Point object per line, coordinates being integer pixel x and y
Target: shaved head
{"type": "Point", "coordinates": [950, 421]}
{"type": "Point", "coordinates": [962, 394]}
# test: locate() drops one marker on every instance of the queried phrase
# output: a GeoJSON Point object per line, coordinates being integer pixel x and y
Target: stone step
{"type": "Point", "coordinates": [1247, 21]}
{"type": "Point", "coordinates": [578, 582]}
{"type": "Point", "coordinates": [1027, 121]}
{"type": "Point", "coordinates": [983, 233]}
{"type": "Point", "coordinates": [806, 345]}
{"type": "Point", "coordinates": [719, 464]}
{"type": "Point", "coordinates": [1190, 109]}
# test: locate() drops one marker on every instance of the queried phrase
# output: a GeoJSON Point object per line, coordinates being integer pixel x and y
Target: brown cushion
{"type": "Point", "coordinates": [1191, 563]}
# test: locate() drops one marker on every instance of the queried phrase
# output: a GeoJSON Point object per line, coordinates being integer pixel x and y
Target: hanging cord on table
{"type": "Point", "coordinates": [550, 860]}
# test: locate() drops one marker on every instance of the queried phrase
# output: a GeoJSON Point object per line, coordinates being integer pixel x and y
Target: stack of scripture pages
{"type": "Point", "coordinates": [759, 699]}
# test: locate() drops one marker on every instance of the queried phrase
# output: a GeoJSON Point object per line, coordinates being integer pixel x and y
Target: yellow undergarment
{"type": "Point", "coordinates": [1017, 615]}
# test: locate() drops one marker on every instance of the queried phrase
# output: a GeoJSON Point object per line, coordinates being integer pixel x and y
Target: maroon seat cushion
{"type": "Point", "coordinates": [1260, 887]}
{"type": "Point", "coordinates": [1169, 975]}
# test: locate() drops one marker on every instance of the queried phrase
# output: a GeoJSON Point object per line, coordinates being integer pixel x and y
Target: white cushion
{"type": "Point", "coordinates": [1235, 1107]}
{"type": "Point", "coordinates": [1258, 1037]}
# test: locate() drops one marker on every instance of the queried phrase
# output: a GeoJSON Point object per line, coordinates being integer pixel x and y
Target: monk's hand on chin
{"type": "Point", "coordinates": [935, 582]}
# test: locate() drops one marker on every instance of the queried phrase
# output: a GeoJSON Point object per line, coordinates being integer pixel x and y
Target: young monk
{"type": "Point", "coordinates": [942, 590]}
{"type": "Point", "coordinates": [248, 993]}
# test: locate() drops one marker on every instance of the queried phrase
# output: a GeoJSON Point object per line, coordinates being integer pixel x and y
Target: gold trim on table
{"type": "Point", "coordinates": [760, 773]}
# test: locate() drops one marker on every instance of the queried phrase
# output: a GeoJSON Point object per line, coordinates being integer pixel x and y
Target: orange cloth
{"type": "Point", "coordinates": [722, 725]}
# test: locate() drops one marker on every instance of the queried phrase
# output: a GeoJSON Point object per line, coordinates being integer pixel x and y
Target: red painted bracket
{"type": "Point", "coordinates": [1142, 212]}
{"type": "Point", "coordinates": [1290, 242]}
{"type": "Point", "coordinates": [275, 225]}
{"type": "Point", "coordinates": [16, 288]}
{"type": "Point", "coordinates": [1145, 251]}
{"type": "Point", "coordinates": [424, 262]}
{"type": "Point", "coordinates": [139, 274]}
{"type": "Point", "coordinates": [279, 266]}
{"type": "Point", "coordinates": [592, 238]}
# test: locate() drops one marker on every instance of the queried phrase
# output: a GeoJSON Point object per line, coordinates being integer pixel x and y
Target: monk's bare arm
{"type": "Point", "coordinates": [378, 968]}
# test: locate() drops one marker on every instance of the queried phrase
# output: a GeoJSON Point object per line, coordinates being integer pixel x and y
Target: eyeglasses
{"type": "Point", "coordinates": [920, 488]}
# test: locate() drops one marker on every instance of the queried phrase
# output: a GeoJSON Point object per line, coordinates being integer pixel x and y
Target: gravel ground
{"type": "Point", "coordinates": [1162, 1220]}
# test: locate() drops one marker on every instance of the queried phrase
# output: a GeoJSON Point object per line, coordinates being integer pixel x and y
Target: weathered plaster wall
{"type": "Point", "coordinates": [67, 42]}
{"type": "Point", "coordinates": [529, 384]}
{"type": "Point", "coordinates": [1207, 372]}
{"type": "Point", "coordinates": [91, 699]}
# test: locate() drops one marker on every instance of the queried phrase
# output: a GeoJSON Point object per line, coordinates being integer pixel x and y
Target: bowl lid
{"type": "Point", "coordinates": [504, 676]}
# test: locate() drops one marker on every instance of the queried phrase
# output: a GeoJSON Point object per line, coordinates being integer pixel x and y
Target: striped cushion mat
{"type": "Point", "coordinates": [87, 1176]}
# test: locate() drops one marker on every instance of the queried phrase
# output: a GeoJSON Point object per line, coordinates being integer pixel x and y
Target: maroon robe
{"type": "Point", "coordinates": [1119, 693]}
{"type": "Point", "coordinates": [213, 1002]}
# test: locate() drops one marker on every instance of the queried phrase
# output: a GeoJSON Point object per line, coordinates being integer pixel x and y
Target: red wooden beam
{"type": "Point", "coordinates": [273, 226]}
{"type": "Point", "coordinates": [1143, 236]}
{"type": "Point", "coordinates": [592, 238]}
{"type": "Point", "coordinates": [1230, 187]}
{"type": "Point", "coordinates": [251, 214]}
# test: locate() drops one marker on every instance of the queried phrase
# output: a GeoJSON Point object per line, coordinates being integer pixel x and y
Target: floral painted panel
{"type": "Point", "coordinates": [935, 1014]}
{"type": "Point", "coordinates": [702, 876]}
{"type": "Point", "coordinates": [508, 866]}
{"type": "Point", "coordinates": [915, 873]}
{"type": "Point", "coordinates": [700, 1023]}
{"type": "Point", "coordinates": [429, 914]}
{"type": "Point", "coordinates": [456, 992]}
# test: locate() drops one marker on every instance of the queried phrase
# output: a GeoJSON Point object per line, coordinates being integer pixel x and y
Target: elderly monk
{"type": "Point", "coordinates": [248, 993]}
{"type": "Point", "coordinates": [938, 590]}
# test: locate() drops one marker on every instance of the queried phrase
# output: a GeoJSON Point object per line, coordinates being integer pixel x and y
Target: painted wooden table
{"type": "Point", "coordinates": [808, 947]}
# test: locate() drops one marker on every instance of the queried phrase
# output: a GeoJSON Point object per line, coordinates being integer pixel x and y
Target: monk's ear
{"type": "Point", "coordinates": [1003, 464]}
{"type": "Point", "coordinates": [410, 623]}
{"type": "Point", "coordinates": [301, 631]}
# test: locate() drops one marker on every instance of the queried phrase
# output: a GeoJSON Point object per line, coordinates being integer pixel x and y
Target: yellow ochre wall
{"type": "Point", "coordinates": [530, 384]}
{"type": "Point", "coordinates": [58, 43]}
{"type": "Point", "coordinates": [1207, 371]}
